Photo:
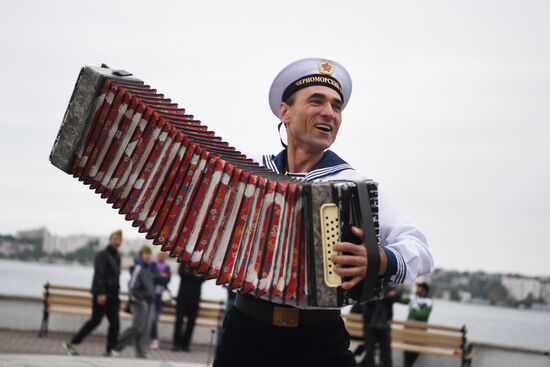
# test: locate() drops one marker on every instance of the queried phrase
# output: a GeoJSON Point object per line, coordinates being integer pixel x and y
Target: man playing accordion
{"type": "Point", "coordinates": [270, 232]}
{"type": "Point", "coordinates": [308, 96]}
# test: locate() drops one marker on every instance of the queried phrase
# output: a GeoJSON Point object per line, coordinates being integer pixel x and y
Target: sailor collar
{"type": "Point", "coordinates": [328, 165]}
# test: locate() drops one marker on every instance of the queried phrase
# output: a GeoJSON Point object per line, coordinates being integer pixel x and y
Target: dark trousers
{"type": "Point", "coordinates": [190, 311]}
{"type": "Point", "coordinates": [410, 358]}
{"type": "Point", "coordinates": [231, 297]}
{"type": "Point", "coordinates": [109, 309]}
{"type": "Point", "coordinates": [156, 313]}
{"type": "Point", "coordinates": [382, 337]}
{"type": "Point", "coordinates": [251, 342]}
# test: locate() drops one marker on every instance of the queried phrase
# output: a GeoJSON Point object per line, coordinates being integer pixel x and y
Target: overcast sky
{"type": "Point", "coordinates": [450, 109]}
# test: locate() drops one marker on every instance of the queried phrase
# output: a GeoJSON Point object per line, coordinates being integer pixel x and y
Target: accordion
{"type": "Point", "coordinates": [205, 202]}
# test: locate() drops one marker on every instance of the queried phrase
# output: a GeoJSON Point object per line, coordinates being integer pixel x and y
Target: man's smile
{"type": "Point", "coordinates": [323, 127]}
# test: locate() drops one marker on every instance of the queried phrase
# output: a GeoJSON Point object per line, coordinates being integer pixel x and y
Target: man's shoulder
{"type": "Point", "coordinates": [348, 174]}
{"type": "Point", "coordinates": [101, 253]}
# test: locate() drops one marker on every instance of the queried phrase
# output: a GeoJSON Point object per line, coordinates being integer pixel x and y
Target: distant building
{"type": "Point", "coordinates": [71, 243]}
{"type": "Point", "coordinates": [52, 243]}
{"type": "Point", "coordinates": [520, 288]}
{"type": "Point", "coordinates": [66, 244]}
{"type": "Point", "coordinates": [464, 296]}
{"type": "Point", "coordinates": [10, 246]}
{"type": "Point", "coordinates": [545, 293]}
{"type": "Point", "coordinates": [458, 281]}
{"type": "Point", "coordinates": [33, 235]}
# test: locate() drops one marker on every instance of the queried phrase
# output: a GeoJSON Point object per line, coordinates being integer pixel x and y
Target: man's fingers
{"type": "Point", "coordinates": [358, 232]}
{"type": "Point", "coordinates": [349, 260]}
{"type": "Point", "coordinates": [352, 265]}
{"type": "Point", "coordinates": [351, 248]}
{"type": "Point", "coordinates": [351, 283]}
{"type": "Point", "coordinates": [356, 271]}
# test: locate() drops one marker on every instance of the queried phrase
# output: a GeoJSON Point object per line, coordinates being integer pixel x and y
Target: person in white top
{"type": "Point", "coordinates": [308, 96]}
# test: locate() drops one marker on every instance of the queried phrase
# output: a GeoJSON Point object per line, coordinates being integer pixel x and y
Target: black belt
{"type": "Point", "coordinates": [280, 315]}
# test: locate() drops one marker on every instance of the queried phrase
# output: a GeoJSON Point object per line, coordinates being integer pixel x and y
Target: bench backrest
{"type": "Point", "coordinates": [413, 332]}
{"type": "Point", "coordinates": [80, 297]}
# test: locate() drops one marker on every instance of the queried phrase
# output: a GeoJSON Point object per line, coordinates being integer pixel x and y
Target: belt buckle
{"type": "Point", "coordinates": [286, 316]}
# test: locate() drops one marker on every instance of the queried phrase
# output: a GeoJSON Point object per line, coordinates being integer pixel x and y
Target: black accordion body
{"type": "Point", "coordinates": [206, 203]}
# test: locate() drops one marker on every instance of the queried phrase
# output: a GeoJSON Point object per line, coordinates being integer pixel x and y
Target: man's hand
{"type": "Point", "coordinates": [355, 260]}
{"type": "Point", "coordinates": [101, 299]}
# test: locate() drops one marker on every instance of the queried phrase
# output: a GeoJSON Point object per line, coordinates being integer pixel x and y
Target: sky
{"type": "Point", "coordinates": [450, 109]}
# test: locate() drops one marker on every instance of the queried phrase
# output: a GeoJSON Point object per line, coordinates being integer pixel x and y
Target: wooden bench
{"type": "Point", "coordinates": [67, 300]}
{"type": "Point", "coordinates": [420, 337]}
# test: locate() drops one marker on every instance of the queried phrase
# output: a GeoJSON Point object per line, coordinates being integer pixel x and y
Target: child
{"type": "Point", "coordinates": [142, 294]}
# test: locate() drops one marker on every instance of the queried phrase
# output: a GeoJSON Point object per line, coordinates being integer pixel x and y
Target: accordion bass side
{"type": "Point", "coordinates": [205, 202]}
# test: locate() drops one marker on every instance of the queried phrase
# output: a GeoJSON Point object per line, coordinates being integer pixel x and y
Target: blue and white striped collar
{"type": "Point", "coordinates": [328, 165]}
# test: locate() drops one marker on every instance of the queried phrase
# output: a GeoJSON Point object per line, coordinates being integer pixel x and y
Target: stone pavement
{"type": "Point", "coordinates": [39, 360]}
{"type": "Point", "coordinates": [25, 348]}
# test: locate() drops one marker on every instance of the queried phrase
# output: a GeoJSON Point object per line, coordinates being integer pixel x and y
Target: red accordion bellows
{"type": "Point", "coordinates": [202, 200]}
{"type": "Point", "coordinates": [184, 186]}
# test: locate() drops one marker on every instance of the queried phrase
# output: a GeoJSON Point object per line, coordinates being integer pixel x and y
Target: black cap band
{"type": "Point", "coordinates": [310, 80]}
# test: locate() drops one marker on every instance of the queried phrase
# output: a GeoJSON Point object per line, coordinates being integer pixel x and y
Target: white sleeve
{"type": "Point", "coordinates": [407, 242]}
{"type": "Point", "coordinates": [397, 234]}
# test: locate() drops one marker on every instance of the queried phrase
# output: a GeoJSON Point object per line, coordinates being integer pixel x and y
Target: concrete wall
{"type": "Point", "coordinates": [504, 356]}
{"type": "Point", "coordinates": [423, 360]}
{"type": "Point", "coordinates": [22, 313]}
{"type": "Point", "coordinates": [485, 355]}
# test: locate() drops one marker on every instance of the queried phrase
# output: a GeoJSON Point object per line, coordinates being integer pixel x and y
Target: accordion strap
{"type": "Point", "coordinates": [370, 241]}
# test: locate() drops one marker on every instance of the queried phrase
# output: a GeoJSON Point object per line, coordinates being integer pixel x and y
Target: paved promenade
{"type": "Point", "coordinates": [25, 348]}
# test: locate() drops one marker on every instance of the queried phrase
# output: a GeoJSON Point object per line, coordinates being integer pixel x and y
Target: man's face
{"type": "Point", "coordinates": [313, 120]}
{"type": "Point", "coordinates": [115, 241]}
{"type": "Point", "coordinates": [420, 291]}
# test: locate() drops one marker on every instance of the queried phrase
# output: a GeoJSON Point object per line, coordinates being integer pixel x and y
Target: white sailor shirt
{"type": "Point", "coordinates": [404, 244]}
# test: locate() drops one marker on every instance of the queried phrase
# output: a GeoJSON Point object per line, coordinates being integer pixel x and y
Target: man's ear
{"type": "Point", "coordinates": [284, 113]}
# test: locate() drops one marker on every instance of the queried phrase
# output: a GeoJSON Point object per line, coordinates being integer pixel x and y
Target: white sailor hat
{"type": "Point", "coordinates": [305, 73]}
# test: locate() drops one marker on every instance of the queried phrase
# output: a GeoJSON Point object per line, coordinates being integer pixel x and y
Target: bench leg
{"type": "Point", "coordinates": [210, 347]}
{"type": "Point", "coordinates": [44, 325]}
{"type": "Point", "coordinates": [466, 361]}
{"type": "Point", "coordinates": [359, 349]}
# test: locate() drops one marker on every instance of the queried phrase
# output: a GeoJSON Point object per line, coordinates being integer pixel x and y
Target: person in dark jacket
{"type": "Point", "coordinates": [105, 296]}
{"type": "Point", "coordinates": [377, 329]}
{"type": "Point", "coordinates": [141, 290]}
{"type": "Point", "coordinates": [189, 295]}
{"type": "Point", "coordinates": [162, 278]}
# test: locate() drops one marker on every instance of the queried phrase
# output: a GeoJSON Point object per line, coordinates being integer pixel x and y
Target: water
{"type": "Point", "coordinates": [28, 279]}
{"type": "Point", "coordinates": [490, 324]}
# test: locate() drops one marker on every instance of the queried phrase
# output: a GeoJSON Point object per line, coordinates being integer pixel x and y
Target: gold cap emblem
{"type": "Point", "coordinates": [326, 67]}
